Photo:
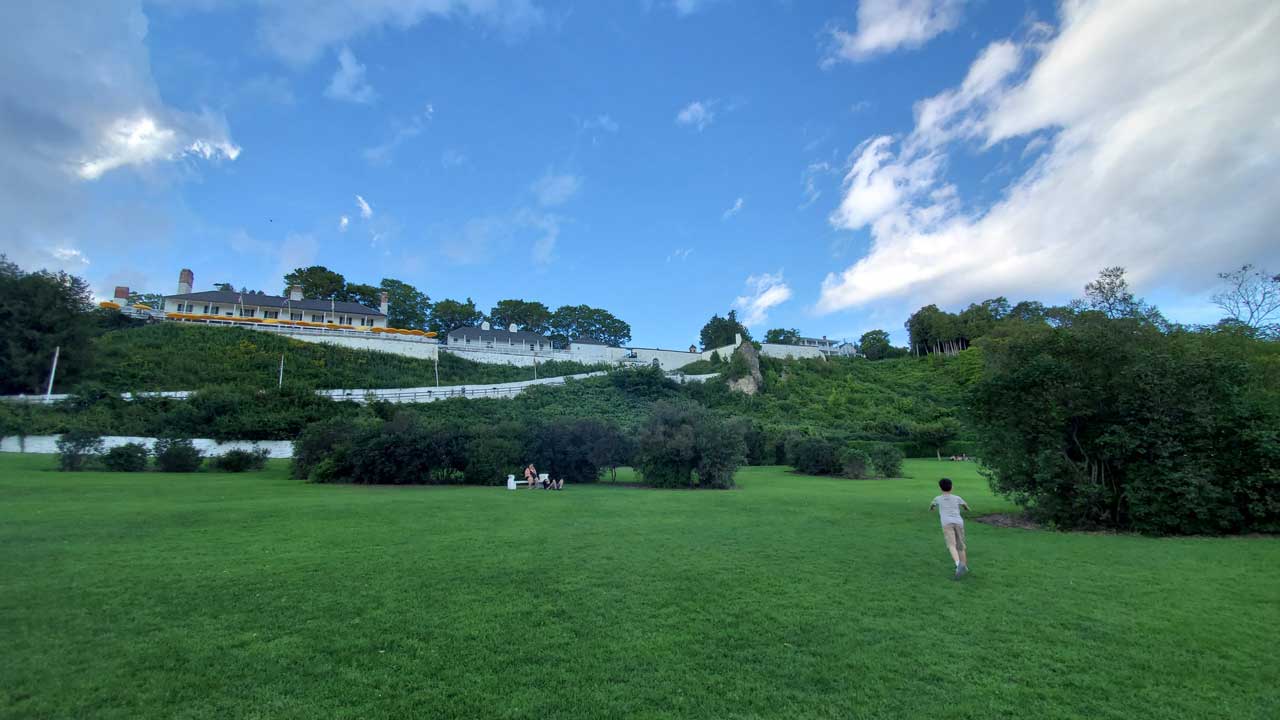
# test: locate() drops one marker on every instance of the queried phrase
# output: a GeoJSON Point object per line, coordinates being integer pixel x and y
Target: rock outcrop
{"type": "Point", "coordinates": [750, 381]}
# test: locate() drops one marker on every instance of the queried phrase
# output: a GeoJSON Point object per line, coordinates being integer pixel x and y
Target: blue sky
{"type": "Point", "coordinates": [826, 166]}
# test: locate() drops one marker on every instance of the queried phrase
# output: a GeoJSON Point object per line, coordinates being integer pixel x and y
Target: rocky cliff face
{"type": "Point", "coordinates": [750, 381]}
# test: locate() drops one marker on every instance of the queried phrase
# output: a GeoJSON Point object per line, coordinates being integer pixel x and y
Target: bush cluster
{"type": "Point", "coordinates": [77, 448]}
{"type": "Point", "coordinates": [684, 445]}
{"type": "Point", "coordinates": [130, 457]}
{"type": "Point", "coordinates": [410, 448]}
{"type": "Point", "coordinates": [177, 455]}
{"type": "Point", "coordinates": [240, 460]}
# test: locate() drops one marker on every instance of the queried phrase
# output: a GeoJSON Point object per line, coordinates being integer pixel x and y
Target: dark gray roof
{"type": "Point", "coordinates": [273, 301]}
{"type": "Point", "coordinates": [497, 336]}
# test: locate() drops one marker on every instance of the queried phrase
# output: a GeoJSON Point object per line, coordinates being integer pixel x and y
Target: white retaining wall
{"type": "Point", "coordinates": [790, 351]}
{"type": "Point", "coordinates": [431, 394]}
{"type": "Point", "coordinates": [425, 349]}
{"type": "Point", "coordinates": [48, 444]}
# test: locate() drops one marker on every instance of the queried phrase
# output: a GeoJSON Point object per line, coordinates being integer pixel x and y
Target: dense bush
{"type": "Point", "coordinates": [130, 457]}
{"type": "Point", "coordinates": [855, 463]}
{"type": "Point", "coordinates": [75, 448]}
{"type": "Point", "coordinates": [681, 440]}
{"type": "Point", "coordinates": [887, 459]}
{"type": "Point", "coordinates": [815, 456]}
{"type": "Point", "coordinates": [177, 455]}
{"type": "Point", "coordinates": [1114, 423]}
{"type": "Point", "coordinates": [241, 460]}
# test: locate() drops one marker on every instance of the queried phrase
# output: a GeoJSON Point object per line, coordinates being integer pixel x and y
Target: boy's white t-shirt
{"type": "Point", "coordinates": [949, 509]}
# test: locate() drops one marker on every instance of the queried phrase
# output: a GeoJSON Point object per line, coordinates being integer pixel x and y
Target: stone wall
{"type": "Point", "coordinates": [789, 351]}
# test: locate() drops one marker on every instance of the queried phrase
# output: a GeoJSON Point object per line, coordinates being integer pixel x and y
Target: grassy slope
{"type": "Point", "coordinates": [169, 356]}
{"type": "Point", "coordinates": [213, 596]}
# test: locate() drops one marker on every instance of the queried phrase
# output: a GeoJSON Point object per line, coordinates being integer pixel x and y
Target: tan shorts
{"type": "Point", "coordinates": [954, 534]}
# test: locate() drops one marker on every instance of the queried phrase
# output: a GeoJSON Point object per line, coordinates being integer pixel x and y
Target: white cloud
{"type": "Point", "coordinates": [764, 291]}
{"type": "Point", "coordinates": [70, 256]}
{"type": "Point", "coordinates": [452, 157]}
{"type": "Point", "coordinates": [78, 103]}
{"type": "Point", "coordinates": [733, 210]}
{"type": "Point", "coordinates": [298, 31]}
{"type": "Point", "coordinates": [1163, 162]}
{"type": "Point", "coordinates": [689, 7]}
{"type": "Point", "coordinates": [810, 177]}
{"type": "Point", "coordinates": [348, 83]}
{"type": "Point", "coordinates": [343, 222]}
{"type": "Point", "coordinates": [366, 212]}
{"type": "Point", "coordinates": [381, 154]}
{"type": "Point", "coordinates": [698, 114]}
{"type": "Point", "coordinates": [680, 254]}
{"type": "Point", "coordinates": [886, 25]}
{"type": "Point", "coordinates": [556, 189]}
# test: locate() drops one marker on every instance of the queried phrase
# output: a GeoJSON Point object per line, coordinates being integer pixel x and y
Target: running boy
{"type": "Point", "coordinates": [952, 524]}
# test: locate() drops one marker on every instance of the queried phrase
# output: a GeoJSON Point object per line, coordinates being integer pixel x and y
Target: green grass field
{"type": "Point", "coordinates": [255, 596]}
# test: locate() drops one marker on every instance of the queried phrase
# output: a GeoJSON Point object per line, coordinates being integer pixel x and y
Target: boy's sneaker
{"type": "Point", "coordinates": [961, 571]}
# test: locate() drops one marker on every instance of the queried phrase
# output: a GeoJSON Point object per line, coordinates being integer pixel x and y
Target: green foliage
{"type": "Point", "coordinates": [240, 460]}
{"type": "Point", "coordinates": [448, 315]}
{"type": "Point", "coordinates": [720, 331]}
{"type": "Point", "coordinates": [1113, 423]}
{"type": "Point", "coordinates": [875, 345]}
{"type": "Point", "coordinates": [41, 311]}
{"type": "Point", "coordinates": [855, 464]}
{"type": "Point", "coordinates": [130, 457]}
{"type": "Point", "coordinates": [408, 307]}
{"type": "Point", "coordinates": [180, 356]}
{"type": "Point", "coordinates": [782, 336]}
{"type": "Point", "coordinates": [530, 316]}
{"type": "Point", "coordinates": [681, 440]}
{"type": "Point", "coordinates": [814, 456]}
{"type": "Point", "coordinates": [887, 459]}
{"type": "Point", "coordinates": [570, 322]}
{"type": "Point", "coordinates": [936, 434]}
{"type": "Point", "coordinates": [76, 448]}
{"type": "Point", "coordinates": [318, 282]}
{"type": "Point", "coordinates": [177, 455]}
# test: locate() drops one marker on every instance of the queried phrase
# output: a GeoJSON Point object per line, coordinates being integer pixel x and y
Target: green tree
{"type": "Point", "coordinates": [318, 283]}
{"type": "Point", "coordinates": [570, 322]}
{"type": "Point", "coordinates": [525, 315]}
{"type": "Point", "coordinates": [782, 336]}
{"type": "Point", "coordinates": [367, 295]}
{"type": "Point", "coordinates": [720, 331]}
{"type": "Point", "coordinates": [228, 287]}
{"type": "Point", "coordinates": [408, 307]}
{"type": "Point", "coordinates": [1110, 295]}
{"type": "Point", "coordinates": [448, 315]}
{"type": "Point", "coordinates": [936, 434]}
{"type": "Point", "coordinates": [39, 312]}
{"type": "Point", "coordinates": [875, 345]}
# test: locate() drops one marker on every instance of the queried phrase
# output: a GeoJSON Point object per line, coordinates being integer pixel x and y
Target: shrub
{"type": "Point", "coordinates": [177, 455]}
{"type": "Point", "coordinates": [491, 456]}
{"type": "Point", "coordinates": [815, 456]}
{"type": "Point", "coordinates": [680, 440]}
{"type": "Point", "coordinates": [76, 447]}
{"type": "Point", "coordinates": [130, 457]}
{"type": "Point", "coordinates": [887, 459]}
{"type": "Point", "coordinates": [241, 460]}
{"type": "Point", "coordinates": [855, 464]}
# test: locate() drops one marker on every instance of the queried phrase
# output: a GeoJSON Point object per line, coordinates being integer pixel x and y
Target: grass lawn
{"type": "Point", "coordinates": [255, 596]}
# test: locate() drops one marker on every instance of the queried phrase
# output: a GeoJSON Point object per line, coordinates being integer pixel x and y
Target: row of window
{"type": "Point", "coordinates": [274, 314]}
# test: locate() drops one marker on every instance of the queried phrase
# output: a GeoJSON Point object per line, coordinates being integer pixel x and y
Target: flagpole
{"type": "Point", "coordinates": [280, 384]}
{"type": "Point", "coordinates": [53, 371]}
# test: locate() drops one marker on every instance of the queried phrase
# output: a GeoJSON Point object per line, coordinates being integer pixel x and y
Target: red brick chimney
{"type": "Point", "coordinates": [122, 294]}
{"type": "Point", "coordinates": [384, 304]}
{"type": "Point", "coordinates": [186, 279]}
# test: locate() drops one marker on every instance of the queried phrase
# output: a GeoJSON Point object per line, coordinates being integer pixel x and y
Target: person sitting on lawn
{"type": "Point", "coordinates": [952, 525]}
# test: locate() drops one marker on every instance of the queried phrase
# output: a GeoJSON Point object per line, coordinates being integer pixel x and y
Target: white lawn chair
{"type": "Point", "coordinates": [543, 479]}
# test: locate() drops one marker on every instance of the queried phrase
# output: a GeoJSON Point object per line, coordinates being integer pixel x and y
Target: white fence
{"type": "Point", "coordinates": [431, 394]}
{"type": "Point", "coordinates": [48, 444]}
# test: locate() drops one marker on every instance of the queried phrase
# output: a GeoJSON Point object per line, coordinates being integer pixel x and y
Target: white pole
{"type": "Point", "coordinates": [53, 371]}
{"type": "Point", "coordinates": [437, 366]}
{"type": "Point", "coordinates": [280, 384]}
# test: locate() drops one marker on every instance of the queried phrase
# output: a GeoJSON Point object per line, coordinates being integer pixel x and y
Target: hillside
{"type": "Point", "coordinates": [170, 356]}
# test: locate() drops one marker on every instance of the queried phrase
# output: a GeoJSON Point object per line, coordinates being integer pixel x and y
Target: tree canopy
{"type": "Point", "coordinates": [448, 315]}
{"type": "Point", "coordinates": [41, 311]}
{"type": "Point", "coordinates": [318, 282]}
{"type": "Point", "coordinates": [782, 336]}
{"type": "Point", "coordinates": [409, 308]}
{"type": "Point", "coordinates": [720, 331]}
{"type": "Point", "coordinates": [525, 315]}
{"type": "Point", "coordinates": [570, 322]}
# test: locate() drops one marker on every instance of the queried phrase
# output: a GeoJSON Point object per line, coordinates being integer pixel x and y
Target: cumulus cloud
{"type": "Point", "coordinates": [697, 114]}
{"type": "Point", "coordinates": [556, 189]}
{"type": "Point", "coordinates": [764, 291]}
{"type": "Point", "coordinates": [601, 122]}
{"type": "Point", "coordinates": [680, 254]}
{"type": "Point", "coordinates": [348, 83]}
{"type": "Point", "coordinates": [298, 31]}
{"type": "Point", "coordinates": [343, 222]}
{"type": "Point", "coordinates": [78, 103]}
{"type": "Point", "coordinates": [733, 209]}
{"type": "Point", "coordinates": [886, 25]}
{"type": "Point", "coordinates": [1163, 162]}
{"type": "Point", "coordinates": [366, 212]}
{"type": "Point", "coordinates": [70, 256]}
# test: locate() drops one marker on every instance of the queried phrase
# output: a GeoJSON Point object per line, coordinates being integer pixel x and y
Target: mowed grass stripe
{"type": "Point", "coordinates": [254, 595]}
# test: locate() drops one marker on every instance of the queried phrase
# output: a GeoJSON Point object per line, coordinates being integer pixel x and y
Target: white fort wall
{"type": "Point", "coordinates": [48, 445]}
